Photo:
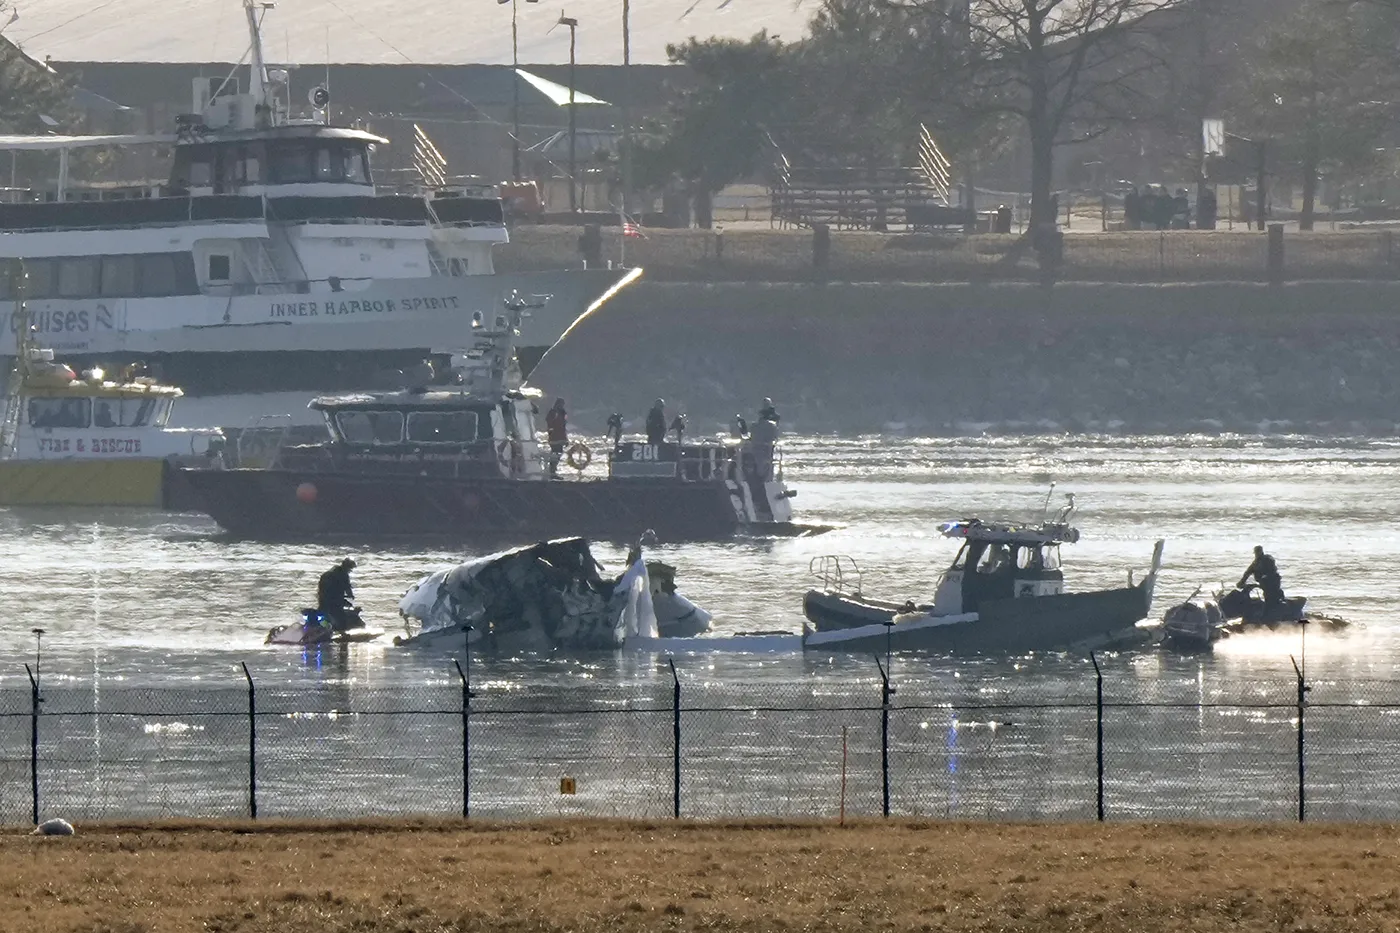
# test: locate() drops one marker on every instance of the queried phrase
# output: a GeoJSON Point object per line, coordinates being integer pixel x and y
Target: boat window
{"type": "Point", "coordinates": [219, 268]}
{"type": "Point", "coordinates": [994, 559]}
{"type": "Point", "coordinates": [163, 411]}
{"type": "Point", "coordinates": [325, 171]}
{"type": "Point", "coordinates": [201, 173]}
{"type": "Point", "coordinates": [59, 412]}
{"type": "Point", "coordinates": [158, 275]}
{"type": "Point", "coordinates": [356, 169]}
{"type": "Point", "coordinates": [371, 427]}
{"type": "Point", "coordinates": [41, 278]}
{"type": "Point", "coordinates": [442, 427]}
{"type": "Point", "coordinates": [77, 277]}
{"type": "Point", "coordinates": [252, 170]}
{"type": "Point", "coordinates": [960, 562]}
{"type": "Point", "coordinates": [118, 276]}
{"type": "Point", "coordinates": [124, 413]}
{"type": "Point", "coordinates": [1051, 557]}
{"type": "Point", "coordinates": [289, 164]}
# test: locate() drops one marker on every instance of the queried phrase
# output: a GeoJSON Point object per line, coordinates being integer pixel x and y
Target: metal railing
{"type": "Point", "coordinates": [1107, 746]}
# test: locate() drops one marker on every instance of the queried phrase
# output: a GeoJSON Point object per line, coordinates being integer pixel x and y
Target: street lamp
{"type": "Point", "coordinates": [572, 23]}
{"type": "Point", "coordinates": [515, 87]}
{"type": "Point", "coordinates": [626, 106]}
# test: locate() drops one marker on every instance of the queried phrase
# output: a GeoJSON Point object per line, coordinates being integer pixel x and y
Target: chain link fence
{"type": "Point", "coordinates": [1112, 746]}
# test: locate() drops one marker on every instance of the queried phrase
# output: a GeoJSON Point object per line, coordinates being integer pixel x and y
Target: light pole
{"type": "Point", "coordinates": [626, 107]}
{"type": "Point", "coordinates": [515, 87]}
{"type": "Point", "coordinates": [572, 23]}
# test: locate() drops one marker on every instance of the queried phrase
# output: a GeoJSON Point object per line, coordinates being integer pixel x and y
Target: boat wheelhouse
{"type": "Point", "coordinates": [268, 261]}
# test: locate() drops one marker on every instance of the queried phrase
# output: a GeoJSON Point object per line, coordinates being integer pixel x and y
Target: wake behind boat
{"type": "Point", "coordinates": [1004, 592]}
{"type": "Point", "coordinates": [269, 261]}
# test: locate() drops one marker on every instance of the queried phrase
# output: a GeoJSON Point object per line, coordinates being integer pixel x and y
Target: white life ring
{"type": "Point", "coordinates": [580, 456]}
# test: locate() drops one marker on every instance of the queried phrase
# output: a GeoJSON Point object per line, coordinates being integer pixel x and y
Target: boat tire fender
{"type": "Point", "coordinates": [580, 456]}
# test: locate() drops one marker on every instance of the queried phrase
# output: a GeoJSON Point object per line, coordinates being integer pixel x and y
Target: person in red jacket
{"type": "Point", "coordinates": [556, 423]}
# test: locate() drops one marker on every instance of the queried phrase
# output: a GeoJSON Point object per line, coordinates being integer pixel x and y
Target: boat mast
{"type": "Point", "coordinates": [258, 78]}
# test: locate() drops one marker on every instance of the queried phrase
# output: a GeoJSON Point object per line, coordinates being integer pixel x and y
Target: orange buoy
{"type": "Point", "coordinates": [306, 493]}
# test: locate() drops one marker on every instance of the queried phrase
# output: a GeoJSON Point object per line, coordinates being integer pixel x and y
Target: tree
{"type": "Point", "coordinates": [1317, 90]}
{"type": "Point", "coordinates": [28, 89]}
{"type": "Point", "coordinates": [715, 130]}
{"type": "Point", "coordinates": [1067, 69]}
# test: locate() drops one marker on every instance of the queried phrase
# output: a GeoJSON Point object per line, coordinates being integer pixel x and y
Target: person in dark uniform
{"type": "Point", "coordinates": [678, 425]}
{"type": "Point", "coordinates": [656, 423]}
{"type": "Point", "coordinates": [335, 597]}
{"type": "Point", "coordinates": [614, 430]}
{"type": "Point", "coordinates": [1265, 573]}
{"type": "Point", "coordinates": [768, 412]}
{"type": "Point", "coordinates": [740, 427]}
{"type": "Point", "coordinates": [556, 424]}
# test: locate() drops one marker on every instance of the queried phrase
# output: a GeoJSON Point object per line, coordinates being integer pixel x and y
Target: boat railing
{"type": "Point", "coordinates": [836, 571]}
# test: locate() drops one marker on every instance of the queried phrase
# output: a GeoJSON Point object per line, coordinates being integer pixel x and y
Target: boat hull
{"type": "Point", "coordinates": [1003, 626]}
{"type": "Point", "coordinates": [294, 504]}
{"type": "Point", "coordinates": [216, 346]}
{"type": "Point", "coordinates": [134, 482]}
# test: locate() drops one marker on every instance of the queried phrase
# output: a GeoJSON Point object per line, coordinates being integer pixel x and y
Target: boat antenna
{"type": "Point", "coordinates": [1045, 509]}
{"type": "Point", "coordinates": [326, 113]}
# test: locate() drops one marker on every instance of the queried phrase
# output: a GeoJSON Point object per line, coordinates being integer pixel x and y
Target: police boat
{"type": "Point", "coordinates": [1004, 592]}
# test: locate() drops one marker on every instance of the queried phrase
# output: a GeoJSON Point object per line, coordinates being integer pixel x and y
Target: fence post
{"type": "Point", "coordinates": [34, 701]}
{"type": "Point", "coordinates": [252, 744]}
{"type": "Point", "coordinates": [1303, 689]}
{"type": "Point", "coordinates": [1098, 703]}
{"type": "Point", "coordinates": [886, 691]}
{"type": "Point", "coordinates": [675, 740]}
{"type": "Point", "coordinates": [466, 735]}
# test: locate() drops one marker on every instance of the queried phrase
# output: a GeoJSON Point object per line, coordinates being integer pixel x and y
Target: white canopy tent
{"type": "Point", "coordinates": [558, 94]}
{"type": "Point", "coordinates": [65, 144]}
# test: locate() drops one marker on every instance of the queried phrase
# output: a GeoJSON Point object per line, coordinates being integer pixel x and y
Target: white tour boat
{"type": "Point", "coordinates": [269, 263]}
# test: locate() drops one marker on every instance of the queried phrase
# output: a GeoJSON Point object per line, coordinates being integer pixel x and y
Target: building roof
{"type": "Point", "coordinates": [390, 31]}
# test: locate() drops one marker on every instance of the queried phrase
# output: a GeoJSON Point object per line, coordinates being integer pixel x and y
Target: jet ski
{"type": "Point", "coordinates": [1244, 609]}
{"type": "Point", "coordinates": [315, 629]}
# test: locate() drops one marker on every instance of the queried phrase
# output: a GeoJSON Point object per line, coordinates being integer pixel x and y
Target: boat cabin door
{"type": "Point", "coordinates": [990, 573]}
{"type": "Point", "coordinates": [948, 598]}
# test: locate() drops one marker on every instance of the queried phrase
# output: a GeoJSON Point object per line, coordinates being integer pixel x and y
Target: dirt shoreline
{"type": "Point", "coordinates": [431, 876]}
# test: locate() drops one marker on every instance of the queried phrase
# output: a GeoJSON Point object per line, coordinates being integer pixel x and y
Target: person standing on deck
{"type": "Point", "coordinates": [556, 423]}
{"type": "Point", "coordinates": [656, 423]}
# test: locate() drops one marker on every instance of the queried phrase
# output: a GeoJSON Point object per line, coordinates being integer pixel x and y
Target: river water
{"type": "Point", "coordinates": [165, 609]}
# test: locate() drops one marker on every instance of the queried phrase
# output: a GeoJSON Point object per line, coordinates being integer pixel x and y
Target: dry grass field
{"type": "Point", "coordinates": [754, 253]}
{"type": "Point", "coordinates": [622, 877]}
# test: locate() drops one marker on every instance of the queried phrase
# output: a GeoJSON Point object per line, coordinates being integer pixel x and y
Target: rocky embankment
{"type": "Point", "coordinates": [1318, 357]}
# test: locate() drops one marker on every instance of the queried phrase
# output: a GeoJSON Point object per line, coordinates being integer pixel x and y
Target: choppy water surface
{"type": "Point", "coordinates": [152, 597]}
